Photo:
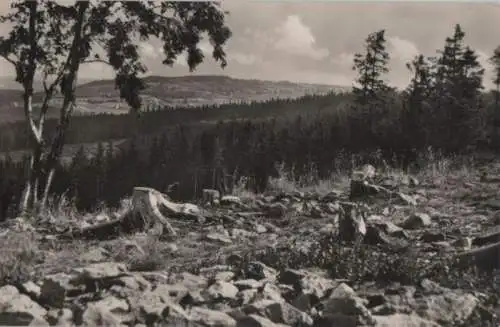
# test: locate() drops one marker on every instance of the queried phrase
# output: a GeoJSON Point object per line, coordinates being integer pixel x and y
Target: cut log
{"type": "Point", "coordinates": [485, 258]}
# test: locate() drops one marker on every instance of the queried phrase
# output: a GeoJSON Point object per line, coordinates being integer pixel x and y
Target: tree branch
{"type": "Point", "coordinates": [6, 57]}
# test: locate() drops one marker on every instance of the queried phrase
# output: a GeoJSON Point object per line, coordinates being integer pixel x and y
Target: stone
{"type": "Point", "coordinates": [403, 320]}
{"type": "Point", "coordinates": [210, 196]}
{"type": "Point", "coordinates": [102, 270]}
{"type": "Point", "coordinates": [221, 290]}
{"type": "Point", "coordinates": [219, 238]}
{"type": "Point", "coordinates": [276, 210]}
{"type": "Point", "coordinates": [279, 312]}
{"type": "Point", "coordinates": [417, 220]}
{"type": "Point", "coordinates": [56, 287]}
{"type": "Point", "coordinates": [259, 271]}
{"type": "Point", "coordinates": [19, 310]}
{"type": "Point", "coordinates": [207, 317]}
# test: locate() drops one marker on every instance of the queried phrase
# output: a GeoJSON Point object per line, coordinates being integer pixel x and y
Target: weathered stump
{"type": "Point", "coordinates": [144, 214]}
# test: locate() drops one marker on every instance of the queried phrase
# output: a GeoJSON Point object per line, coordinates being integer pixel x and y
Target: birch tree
{"type": "Point", "coordinates": [53, 41]}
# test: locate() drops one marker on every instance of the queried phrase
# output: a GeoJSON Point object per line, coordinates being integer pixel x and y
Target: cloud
{"type": "Point", "coordinates": [343, 60]}
{"type": "Point", "coordinates": [401, 49]}
{"type": "Point", "coordinates": [244, 59]}
{"type": "Point", "coordinates": [295, 38]}
{"type": "Point", "coordinates": [483, 59]}
{"type": "Point", "coordinates": [146, 49]}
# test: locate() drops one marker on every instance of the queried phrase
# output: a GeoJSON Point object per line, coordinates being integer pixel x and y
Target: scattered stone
{"type": "Point", "coordinates": [221, 290]}
{"type": "Point", "coordinates": [259, 271]}
{"type": "Point", "coordinates": [276, 210]}
{"type": "Point", "coordinates": [219, 238]}
{"type": "Point", "coordinates": [207, 317]}
{"type": "Point", "coordinates": [210, 196]}
{"type": "Point", "coordinates": [417, 220]}
{"type": "Point", "coordinates": [19, 310]}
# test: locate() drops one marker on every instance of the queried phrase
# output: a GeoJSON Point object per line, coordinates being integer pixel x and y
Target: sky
{"type": "Point", "coordinates": [315, 41]}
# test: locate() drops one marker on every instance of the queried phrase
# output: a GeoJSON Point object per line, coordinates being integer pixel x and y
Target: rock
{"type": "Point", "coordinates": [348, 309]}
{"type": "Point", "coordinates": [56, 287]}
{"type": "Point", "coordinates": [221, 290]}
{"type": "Point", "coordinates": [333, 195]}
{"type": "Point", "coordinates": [190, 281]}
{"type": "Point", "coordinates": [60, 317]}
{"type": "Point", "coordinates": [463, 243]}
{"type": "Point", "coordinates": [207, 317]}
{"type": "Point", "coordinates": [450, 307]}
{"type": "Point", "coordinates": [376, 236]}
{"type": "Point", "coordinates": [245, 284]}
{"type": "Point", "coordinates": [403, 320]}
{"type": "Point", "coordinates": [430, 237]}
{"type": "Point", "coordinates": [102, 270]}
{"type": "Point", "coordinates": [150, 307]}
{"type": "Point", "coordinates": [94, 255]}
{"type": "Point", "coordinates": [245, 297]}
{"type": "Point", "coordinates": [417, 220]}
{"type": "Point", "coordinates": [351, 223]}
{"type": "Point", "coordinates": [276, 210]}
{"type": "Point", "coordinates": [109, 311]}
{"type": "Point", "coordinates": [305, 282]}
{"type": "Point", "coordinates": [19, 310]}
{"type": "Point", "coordinates": [260, 229]}
{"type": "Point", "coordinates": [342, 291]}
{"type": "Point", "coordinates": [31, 289]}
{"type": "Point", "coordinates": [239, 233]}
{"type": "Point", "coordinates": [219, 238]}
{"type": "Point", "coordinates": [259, 271]}
{"type": "Point", "coordinates": [254, 320]}
{"type": "Point", "coordinates": [210, 196]}
{"type": "Point", "coordinates": [271, 292]}
{"type": "Point", "coordinates": [230, 199]}
{"type": "Point", "coordinates": [406, 199]}
{"type": "Point", "coordinates": [279, 312]}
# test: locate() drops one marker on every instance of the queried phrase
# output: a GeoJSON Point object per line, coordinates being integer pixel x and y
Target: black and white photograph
{"type": "Point", "coordinates": [250, 163]}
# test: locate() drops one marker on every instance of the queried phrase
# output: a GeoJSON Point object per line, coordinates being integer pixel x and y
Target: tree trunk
{"type": "Point", "coordinates": [68, 89]}
{"type": "Point", "coordinates": [26, 202]}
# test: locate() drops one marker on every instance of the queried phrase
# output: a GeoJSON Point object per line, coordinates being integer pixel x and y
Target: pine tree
{"type": "Point", "coordinates": [370, 95]}
{"type": "Point", "coordinates": [495, 61]}
{"type": "Point", "coordinates": [416, 107]}
{"type": "Point", "coordinates": [458, 82]}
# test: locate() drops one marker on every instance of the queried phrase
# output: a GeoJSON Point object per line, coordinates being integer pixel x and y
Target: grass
{"type": "Point", "coordinates": [19, 253]}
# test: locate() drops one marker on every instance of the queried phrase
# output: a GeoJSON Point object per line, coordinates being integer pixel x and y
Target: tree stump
{"type": "Point", "coordinates": [144, 214]}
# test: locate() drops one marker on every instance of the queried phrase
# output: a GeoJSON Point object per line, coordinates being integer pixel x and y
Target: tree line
{"type": "Point", "coordinates": [444, 107]}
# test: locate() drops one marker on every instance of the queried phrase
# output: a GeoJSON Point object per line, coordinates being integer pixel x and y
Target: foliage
{"type": "Point", "coordinates": [55, 40]}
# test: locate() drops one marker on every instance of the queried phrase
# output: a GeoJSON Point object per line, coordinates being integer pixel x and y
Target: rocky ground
{"type": "Point", "coordinates": [384, 250]}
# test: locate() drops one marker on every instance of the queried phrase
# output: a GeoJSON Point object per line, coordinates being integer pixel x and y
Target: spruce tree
{"type": "Point", "coordinates": [495, 61]}
{"type": "Point", "coordinates": [458, 92]}
{"type": "Point", "coordinates": [370, 95]}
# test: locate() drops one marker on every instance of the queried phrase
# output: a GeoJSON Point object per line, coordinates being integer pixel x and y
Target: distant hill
{"type": "Point", "coordinates": [100, 96]}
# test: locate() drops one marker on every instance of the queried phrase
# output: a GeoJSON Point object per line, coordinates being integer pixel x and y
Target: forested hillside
{"type": "Point", "coordinates": [101, 96]}
{"type": "Point", "coordinates": [443, 108]}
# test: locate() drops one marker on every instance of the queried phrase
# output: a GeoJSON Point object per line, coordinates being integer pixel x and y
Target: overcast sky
{"type": "Point", "coordinates": [314, 42]}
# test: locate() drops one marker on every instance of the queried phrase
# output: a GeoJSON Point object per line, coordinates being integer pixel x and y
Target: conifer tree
{"type": "Point", "coordinates": [495, 61]}
{"type": "Point", "coordinates": [371, 91]}
{"type": "Point", "coordinates": [458, 85]}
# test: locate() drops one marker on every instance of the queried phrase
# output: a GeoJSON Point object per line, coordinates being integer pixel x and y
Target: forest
{"type": "Point", "coordinates": [444, 109]}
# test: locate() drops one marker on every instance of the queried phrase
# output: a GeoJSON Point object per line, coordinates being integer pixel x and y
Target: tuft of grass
{"type": "Point", "coordinates": [18, 256]}
{"type": "Point", "coordinates": [142, 253]}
